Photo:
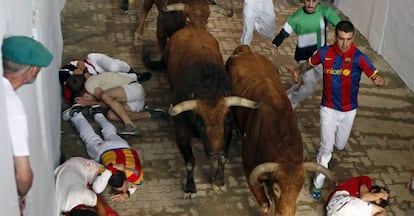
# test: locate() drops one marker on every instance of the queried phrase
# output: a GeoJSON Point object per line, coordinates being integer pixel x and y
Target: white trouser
{"type": "Point", "coordinates": [258, 15]}
{"type": "Point", "coordinates": [104, 63]}
{"type": "Point", "coordinates": [299, 92]}
{"type": "Point", "coordinates": [335, 130]}
{"type": "Point", "coordinates": [95, 145]}
{"type": "Point", "coordinates": [135, 94]}
{"type": "Point", "coordinates": [342, 204]}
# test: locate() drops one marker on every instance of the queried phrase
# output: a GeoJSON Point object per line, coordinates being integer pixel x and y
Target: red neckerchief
{"type": "Point", "coordinates": [347, 54]}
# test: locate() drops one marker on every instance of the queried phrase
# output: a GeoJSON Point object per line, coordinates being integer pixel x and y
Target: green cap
{"type": "Point", "coordinates": [26, 51]}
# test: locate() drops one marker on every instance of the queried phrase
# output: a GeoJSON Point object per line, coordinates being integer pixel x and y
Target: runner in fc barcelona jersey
{"type": "Point", "coordinates": [343, 65]}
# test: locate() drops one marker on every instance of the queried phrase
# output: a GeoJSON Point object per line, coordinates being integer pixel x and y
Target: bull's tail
{"type": "Point", "coordinates": [151, 56]}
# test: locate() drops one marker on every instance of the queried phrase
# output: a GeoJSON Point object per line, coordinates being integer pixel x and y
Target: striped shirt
{"type": "Point", "coordinates": [131, 161]}
{"type": "Point", "coordinates": [311, 30]}
{"type": "Point", "coordinates": [342, 75]}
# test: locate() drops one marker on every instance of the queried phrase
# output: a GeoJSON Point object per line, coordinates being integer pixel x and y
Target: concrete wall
{"type": "Point", "coordinates": [39, 19]}
{"type": "Point", "coordinates": [387, 25]}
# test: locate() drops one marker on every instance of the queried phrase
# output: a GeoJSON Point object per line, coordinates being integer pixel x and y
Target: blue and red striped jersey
{"type": "Point", "coordinates": [342, 75]}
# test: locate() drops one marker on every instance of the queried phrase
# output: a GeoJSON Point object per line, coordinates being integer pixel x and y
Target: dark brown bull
{"type": "Point", "coordinates": [172, 19]}
{"type": "Point", "coordinates": [200, 87]}
{"type": "Point", "coordinates": [272, 147]}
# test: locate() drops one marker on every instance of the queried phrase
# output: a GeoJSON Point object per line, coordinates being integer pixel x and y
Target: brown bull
{"type": "Point", "coordinates": [200, 87]}
{"type": "Point", "coordinates": [170, 20]}
{"type": "Point", "coordinates": [272, 147]}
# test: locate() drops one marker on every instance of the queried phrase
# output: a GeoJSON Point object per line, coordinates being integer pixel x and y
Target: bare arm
{"type": "Point", "coordinates": [89, 100]}
{"type": "Point", "coordinates": [24, 175]}
{"type": "Point", "coordinates": [100, 207]}
{"type": "Point", "coordinates": [86, 102]}
{"type": "Point", "coordinates": [296, 72]}
{"type": "Point", "coordinates": [305, 66]}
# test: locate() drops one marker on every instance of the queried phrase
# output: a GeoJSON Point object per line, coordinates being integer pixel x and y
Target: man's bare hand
{"type": "Point", "coordinates": [118, 197]}
{"type": "Point", "coordinates": [81, 101]}
{"type": "Point", "coordinates": [295, 72]}
{"type": "Point", "coordinates": [81, 65]}
{"type": "Point", "coordinates": [379, 80]}
{"type": "Point", "coordinates": [272, 48]}
{"type": "Point", "coordinates": [78, 71]}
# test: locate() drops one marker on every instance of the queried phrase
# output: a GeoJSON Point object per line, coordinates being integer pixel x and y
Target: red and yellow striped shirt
{"type": "Point", "coordinates": [130, 159]}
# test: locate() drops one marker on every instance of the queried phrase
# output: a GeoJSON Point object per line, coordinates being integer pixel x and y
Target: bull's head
{"type": "Point", "coordinates": [197, 12]}
{"type": "Point", "coordinates": [212, 119]}
{"type": "Point", "coordinates": [282, 184]}
{"type": "Point", "coordinates": [229, 101]}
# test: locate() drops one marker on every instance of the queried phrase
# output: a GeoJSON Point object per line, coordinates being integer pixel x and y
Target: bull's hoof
{"type": "Point", "coordinates": [189, 190]}
{"type": "Point", "coordinates": [219, 188]}
{"type": "Point", "coordinates": [189, 195]}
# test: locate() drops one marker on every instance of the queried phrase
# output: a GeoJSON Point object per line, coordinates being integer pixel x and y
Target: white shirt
{"type": "Point", "coordinates": [72, 178]}
{"type": "Point", "coordinates": [108, 80]}
{"type": "Point", "coordinates": [17, 121]}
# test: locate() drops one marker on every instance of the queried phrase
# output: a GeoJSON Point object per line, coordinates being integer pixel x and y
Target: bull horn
{"type": "Point", "coordinates": [259, 170]}
{"type": "Point", "coordinates": [314, 167]}
{"type": "Point", "coordinates": [173, 7]}
{"type": "Point", "coordinates": [181, 107]}
{"type": "Point", "coordinates": [243, 102]}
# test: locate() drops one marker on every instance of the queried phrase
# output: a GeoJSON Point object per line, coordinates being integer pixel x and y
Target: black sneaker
{"type": "Point", "coordinates": [95, 109]}
{"type": "Point", "coordinates": [131, 70]}
{"type": "Point", "coordinates": [70, 112]}
{"type": "Point", "coordinates": [129, 130]}
{"type": "Point", "coordinates": [142, 77]}
{"type": "Point", "coordinates": [156, 113]}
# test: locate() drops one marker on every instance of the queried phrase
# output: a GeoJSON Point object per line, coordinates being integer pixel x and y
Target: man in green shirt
{"type": "Point", "coordinates": [310, 23]}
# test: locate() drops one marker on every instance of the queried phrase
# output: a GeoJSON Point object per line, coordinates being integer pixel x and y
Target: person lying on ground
{"type": "Point", "coordinates": [121, 93]}
{"type": "Point", "coordinates": [94, 64]}
{"type": "Point", "coordinates": [78, 183]}
{"type": "Point", "coordinates": [110, 150]}
{"type": "Point", "coordinates": [357, 196]}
